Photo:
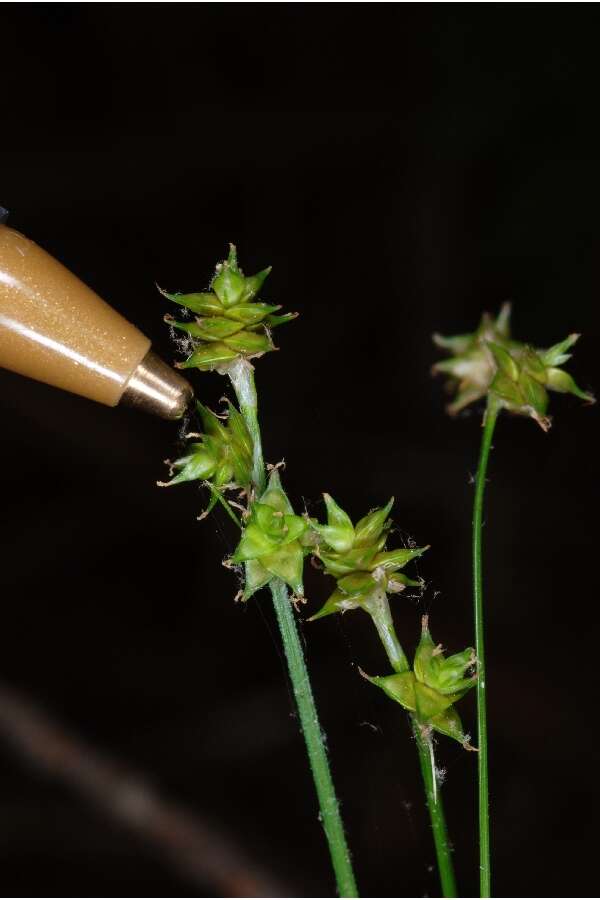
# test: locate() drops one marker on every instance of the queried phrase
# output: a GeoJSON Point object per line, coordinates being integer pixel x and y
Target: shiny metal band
{"type": "Point", "coordinates": [156, 388]}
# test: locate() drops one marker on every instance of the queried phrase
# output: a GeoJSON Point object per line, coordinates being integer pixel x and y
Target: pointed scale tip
{"type": "Point", "coordinates": [324, 611]}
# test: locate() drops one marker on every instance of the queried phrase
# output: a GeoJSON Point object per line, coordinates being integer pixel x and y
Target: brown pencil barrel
{"type": "Point", "coordinates": [55, 329]}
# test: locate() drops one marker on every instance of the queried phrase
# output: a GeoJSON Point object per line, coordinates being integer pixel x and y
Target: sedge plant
{"type": "Point", "coordinates": [510, 375]}
{"type": "Point", "coordinates": [226, 328]}
{"type": "Point", "coordinates": [231, 327]}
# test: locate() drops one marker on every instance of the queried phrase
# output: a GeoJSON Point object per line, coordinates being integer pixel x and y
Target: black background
{"type": "Point", "coordinates": [403, 168]}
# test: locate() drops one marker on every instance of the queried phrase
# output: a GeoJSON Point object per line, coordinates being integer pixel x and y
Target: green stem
{"type": "Point", "coordinates": [317, 754]}
{"type": "Point", "coordinates": [481, 687]}
{"type": "Point", "coordinates": [436, 809]}
{"type": "Point", "coordinates": [241, 374]}
{"type": "Point", "coordinates": [382, 618]}
{"type": "Point", "coordinates": [378, 607]}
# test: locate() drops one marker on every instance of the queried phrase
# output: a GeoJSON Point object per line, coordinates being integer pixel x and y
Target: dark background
{"type": "Point", "coordinates": [403, 168]}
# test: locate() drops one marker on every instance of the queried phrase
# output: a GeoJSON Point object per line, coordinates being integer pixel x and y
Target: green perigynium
{"type": "Point", "coordinates": [523, 377]}
{"type": "Point", "coordinates": [222, 457]}
{"type": "Point", "coordinates": [355, 556]}
{"type": "Point", "coordinates": [230, 322]}
{"type": "Point", "coordinates": [512, 374]}
{"type": "Point", "coordinates": [271, 544]}
{"type": "Point", "coordinates": [433, 686]}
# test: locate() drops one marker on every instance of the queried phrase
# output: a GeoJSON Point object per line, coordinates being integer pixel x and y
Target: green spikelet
{"type": "Point", "coordinates": [229, 321]}
{"type": "Point", "coordinates": [355, 556]}
{"type": "Point", "coordinates": [271, 543]}
{"type": "Point", "coordinates": [434, 685]}
{"type": "Point", "coordinates": [516, 376]}
{"type": "Point", "coordinates": [222, 457]}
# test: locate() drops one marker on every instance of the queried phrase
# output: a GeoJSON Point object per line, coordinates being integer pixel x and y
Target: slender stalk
{"type": "Point", "coordinates": [436, 809]}
{"type": "Point", "coordinates": [378, 607]}
{"type": "Point", "coordinates": [381, 615]}
{"type": "Point", "coordinates": [481, 687]}
{"type": "Point", "coordinates": [241, 374]}
{"type": "Point", "coordinates": [317, 754]}
{"type": "Point", "coordinates": [219, 498]}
